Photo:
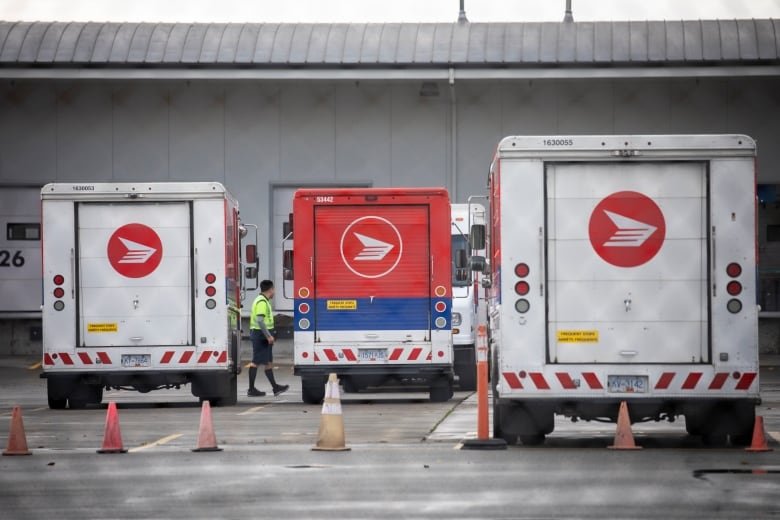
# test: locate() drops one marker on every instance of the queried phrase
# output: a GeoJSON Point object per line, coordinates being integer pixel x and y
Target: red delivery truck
{"type": "Point", "coordinates": [372, 288]}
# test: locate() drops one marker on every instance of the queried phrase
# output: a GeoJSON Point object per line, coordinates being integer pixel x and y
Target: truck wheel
{"type": "Point", "coordinates": [498, 432]}
{"type": "Point", "coordinates": [744, 421]}
{"type": "Point", "coordinates": [231, 397]}
{"type": "Point", "coordinates": [467, 374]}
{"type": "Point", "coordinates": [532, 440]}
{"type": "Point", "coordinates": [57, 399]}
{"type": "Point", "coordinates": [441, 391]}
{"type": "Point", "coordinates": [312, 390]}
{"type": "Point", "coordinates": [82, 395]}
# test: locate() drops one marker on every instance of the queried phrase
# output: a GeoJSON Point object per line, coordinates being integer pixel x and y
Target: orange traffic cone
{"type": "Point", "coordinates": [759, 437]}
{"type": "Point", "coordinates": [112, 438]}
{"type": "Point", "coordinates": [624, 438]}
{"type": "Point", "coordinates": [207, 439]}
{"type": "Point", "coordinates": [331, 436]}
{"type": "Point", "coordinates": [17, 441]}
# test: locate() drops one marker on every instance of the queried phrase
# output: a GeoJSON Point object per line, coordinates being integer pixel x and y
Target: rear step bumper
{"type": "Point", "coordinates": [427, 370]}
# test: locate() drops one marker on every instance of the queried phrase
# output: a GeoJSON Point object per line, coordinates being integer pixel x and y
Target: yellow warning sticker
{"type": "Point", "coordinates": [102, 327]}
{"type": "Point", "coordinates": [578, 336]}
{"type": "Point", "coordinates": [342, 305]}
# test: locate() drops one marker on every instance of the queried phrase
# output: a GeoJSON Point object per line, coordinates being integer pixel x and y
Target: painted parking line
{"type": "Point", "coordinates": [34, 366]}
{"type": "Point", "coordinates": [158, 442]}
{"type": "Point", "coordinates": [774, 435]}
{"type": "Point", "coordinates": [252, 410]}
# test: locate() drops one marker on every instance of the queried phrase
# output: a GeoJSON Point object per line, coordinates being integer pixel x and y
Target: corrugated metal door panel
{"type": "Point", "coordinates": [372, 272]}
{"type": "Point", "coordinates": [134, 273]}
{"type": "Point", "coordinates": [627, 263]}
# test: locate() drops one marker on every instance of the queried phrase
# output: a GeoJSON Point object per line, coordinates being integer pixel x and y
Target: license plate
{"type": "Point", "coordinates": [136, 360]}
{"type": "Point", "coordinates": [372, 354]}
{"type": "Point", "coordinates": [627, 384]}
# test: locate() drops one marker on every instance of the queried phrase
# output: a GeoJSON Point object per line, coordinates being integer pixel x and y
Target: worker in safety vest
{"type": "Point", "coordinates": [262, 334]}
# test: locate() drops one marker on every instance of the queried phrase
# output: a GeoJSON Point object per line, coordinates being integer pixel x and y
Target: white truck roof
{"type": "Point", "coordinates": [185, 190]}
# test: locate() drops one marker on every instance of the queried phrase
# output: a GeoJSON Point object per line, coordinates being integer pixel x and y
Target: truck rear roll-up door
{"type": "Point", "coordinates": [372, 273]}
{"type": "Point", "coordinates": [627, 255]}
{"type": "Point", "coordinates": [135, 274]}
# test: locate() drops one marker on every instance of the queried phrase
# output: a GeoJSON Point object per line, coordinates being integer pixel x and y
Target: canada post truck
{"type": "Point", "coordinates": [624, 269]}
{"type": "Point", "coordinates": [142, 288]}
{"type": "Point", "coordinates": [372, 288]}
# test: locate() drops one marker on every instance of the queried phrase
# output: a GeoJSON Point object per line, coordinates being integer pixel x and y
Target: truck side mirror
{"type": "Point", "coordinates": [478, 264]}
{"type": "Point", "coordinates": [477, 236]}
{"type": "Point", "coordinates": [287, 228]}
{"type": "Point", "coordinates": [251, 254]}
{"type": "Point", "coordinates": [461, 259]}
{"type": "Point", "coordinates": [287, 265]}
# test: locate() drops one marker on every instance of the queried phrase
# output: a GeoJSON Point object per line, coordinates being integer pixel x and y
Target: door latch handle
{"type": "Point", "coordinates": [627, 303]}
{"type": "Point", "coordinates": [135, 303]}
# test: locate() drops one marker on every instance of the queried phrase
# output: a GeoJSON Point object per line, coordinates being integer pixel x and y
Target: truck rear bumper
{"type": "Point", "coordinates": [397, 370]}
{"type": "Point", "coordinates": [640, 409]}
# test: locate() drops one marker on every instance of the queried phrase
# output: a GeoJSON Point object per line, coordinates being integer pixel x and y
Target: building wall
{"type": "Point", "coordinates": [253, 135]}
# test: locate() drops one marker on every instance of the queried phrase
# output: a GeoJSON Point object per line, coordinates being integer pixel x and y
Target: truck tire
{"type": "Point", "coordinates": [498, 431]}
{"type": "Point", "coordinates": [82, 395]}
{"type": "Point", "coordinates": [744, 421]}
{"type": "Point", "coordinates": [231, 397]}
{"type": "Point", "coordinates": [58, 400]}
{"type": "Point", "coordinates": [532, 440]}
{"type": "Point", "coordinates": [466, 370]}
{"type": "Point", "coordinates": [312, 390]}
{"type": "Point", "coordinates": [441, 391]}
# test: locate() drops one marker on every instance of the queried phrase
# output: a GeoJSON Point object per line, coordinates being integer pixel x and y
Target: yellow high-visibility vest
{"type": "Point", "coordinates": [261, 306]}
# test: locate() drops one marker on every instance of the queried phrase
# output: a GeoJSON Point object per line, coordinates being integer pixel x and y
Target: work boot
{"type": "Point", "coordinates": [254, 392]}
{"type": "Point", "coordinates": [280, 389]}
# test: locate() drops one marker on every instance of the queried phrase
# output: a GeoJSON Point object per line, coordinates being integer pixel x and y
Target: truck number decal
{"type": "Point", "coordinates": [558, 142]}
{"type": "Point", "coordinates": [324, 200]}
{"type": "Point", "coordinates": [11, 260]}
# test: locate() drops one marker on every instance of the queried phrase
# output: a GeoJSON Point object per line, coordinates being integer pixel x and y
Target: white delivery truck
{"type": "Point", "coordinates": [623, 269]}
{"type": "Point", "coordinates": [142, 289]}
{"type": "Point", "coordinates": [468, 296]}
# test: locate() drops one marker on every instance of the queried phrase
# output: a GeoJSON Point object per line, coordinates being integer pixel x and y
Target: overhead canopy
{"type": "Point", "coordinates": [396, 47]}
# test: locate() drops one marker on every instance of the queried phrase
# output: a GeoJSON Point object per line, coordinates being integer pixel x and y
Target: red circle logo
{"type": "Point", "coordinates": [627, 229]}
{"type": "Point", "coordinates": [135, 250]}
{"type": "Point", "coordinates": [371, 246]}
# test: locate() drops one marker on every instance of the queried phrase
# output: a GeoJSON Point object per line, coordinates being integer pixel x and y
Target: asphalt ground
{"type": "Point", "coordinates": [404, 462]}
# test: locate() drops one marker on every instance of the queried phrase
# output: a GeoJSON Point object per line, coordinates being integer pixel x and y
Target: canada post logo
{"type": "Point", "coordinates": [371, 247]}
{"type": "Point", "coordinates": [135, 250]}
{"type": "Point", "coordinates": [627, 229]}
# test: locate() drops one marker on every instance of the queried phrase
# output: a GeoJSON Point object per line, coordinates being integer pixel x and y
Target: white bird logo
{"type": "Point", "coordinates": [373, 249]}
{"type": "Point", "coordinates": [136, 253]}
{"type": "Point", "coordinates": [630, 233]}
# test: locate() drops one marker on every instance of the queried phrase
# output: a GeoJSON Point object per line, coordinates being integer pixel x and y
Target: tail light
{"type": "Point", "coordinates": [522, 305]}
{"type": "Point", "coordinates": [522, 288]}
{"type": "Point", "coordinates": [211, 278]}
{"type": "Point", "coordinates": [210, 290]}
{"type": "Point", "coordinates": [522, 270]}
{"type": "Point", "coordinates": [734, 288]}
{"type": "Point", "coordinates": [734, 269]}
{"type": "Point", "coordinates": [58, 292]}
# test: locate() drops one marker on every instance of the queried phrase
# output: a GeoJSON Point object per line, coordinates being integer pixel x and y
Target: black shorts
{"type": "Point", "coordinates": [262, 351]}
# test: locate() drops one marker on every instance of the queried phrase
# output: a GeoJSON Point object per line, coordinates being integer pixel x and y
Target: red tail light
{"type": "Point", "coordinates": [59, 279]}
{"type": "Point", "coordinates": [522, 288]}
{"type": "Point", "coordinates": [734, 270]}
{"type": "Point", "coordinates": [211, 278]}
{"type": "Point", "coordinates": [59, 292]}
{"type": "Point", "coordinates": [210, 291]}
{"type": "Point", "coordinates": [734, 288]}
{"type": "Point", "coordinates": [522, 270]}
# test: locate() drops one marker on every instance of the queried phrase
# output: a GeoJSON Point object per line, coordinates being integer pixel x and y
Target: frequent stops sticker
{"type": "Point", "coordinates": [135, 250]}
{"type": "Point", "coordinates": [627, 229]}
